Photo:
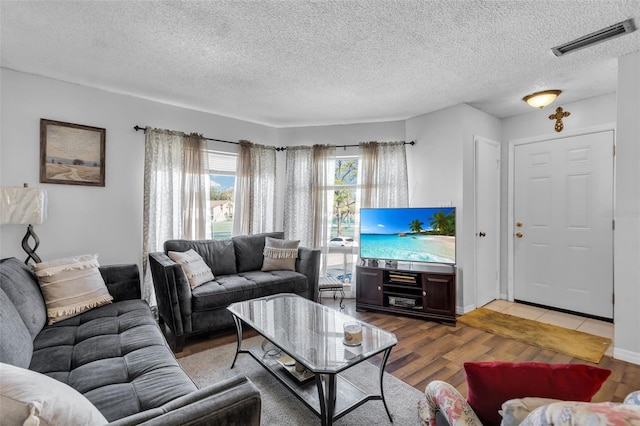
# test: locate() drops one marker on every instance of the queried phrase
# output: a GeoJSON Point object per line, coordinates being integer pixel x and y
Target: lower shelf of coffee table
{"type": "Point", "coordinates": [348, 395]}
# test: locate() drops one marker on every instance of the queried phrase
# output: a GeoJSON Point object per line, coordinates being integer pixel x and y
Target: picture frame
{"type": "Point", "coordinates": [71, 154]}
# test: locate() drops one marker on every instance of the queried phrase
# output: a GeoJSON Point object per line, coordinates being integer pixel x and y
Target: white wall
{"type": "Point", "coordinates": [627, 234]}
{"type": "Point", "coordinates": [82, 219]}
{"type": "Point", "coordinates": [441, 173]}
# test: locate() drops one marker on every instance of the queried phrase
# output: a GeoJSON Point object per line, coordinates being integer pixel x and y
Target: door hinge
{"type": "Point", "coordinates": [613, 298]}
{"type": "Point", "coordinates": [614, 150]}
{"type": "Point", "coordinates": [497, 164]}
{"type": "Point", "coordinates": [613, 224]}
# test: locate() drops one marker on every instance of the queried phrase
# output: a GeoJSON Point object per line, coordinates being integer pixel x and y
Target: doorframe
{"type": "Point", "coordinates": [511, 185]}
{"type": "Point", "coordinates": [481, 139]}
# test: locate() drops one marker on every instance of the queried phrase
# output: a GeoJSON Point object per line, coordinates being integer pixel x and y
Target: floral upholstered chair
{"type": "Point", "coordinates": [444, 405]}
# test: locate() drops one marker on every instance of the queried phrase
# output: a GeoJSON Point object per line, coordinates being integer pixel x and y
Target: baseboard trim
{"type": "Point", "coordinates": [625, 355]}
{"type": "Point", "coordinates": [465, 309]}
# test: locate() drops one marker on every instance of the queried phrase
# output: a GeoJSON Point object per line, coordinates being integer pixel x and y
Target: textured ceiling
{"type": "Point", "coordinates": [299, 63]}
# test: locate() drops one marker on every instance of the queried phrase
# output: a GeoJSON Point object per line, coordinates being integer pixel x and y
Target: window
{"type": "Point", "coordinates": [344, 199]}
{"type": "Point", "coordinates": [339, 261]}
{"type": "Point", "coordinates": [222, 181]}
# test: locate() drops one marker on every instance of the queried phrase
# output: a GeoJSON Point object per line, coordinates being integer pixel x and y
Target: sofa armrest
{"type": "Point", "coordinates": [448, 403]}
{"type": "Point", "coordinates": [123, 281]}
{"type": "Point", "coordinates": [235, 401]}
{"type": "Point", "coordinates": [173, 293]}
{"type": "Point", "coordinates": [308, 264]}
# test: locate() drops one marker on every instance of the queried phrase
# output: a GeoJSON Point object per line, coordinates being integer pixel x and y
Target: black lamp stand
{"type": "Point", "coordinates": [31, 252]}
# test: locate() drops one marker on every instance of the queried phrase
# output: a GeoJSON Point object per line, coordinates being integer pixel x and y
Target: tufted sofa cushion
{"type": "Point", "coordinates": [228, 289]}
{"type": "Point", "coordinates": [116, 356]}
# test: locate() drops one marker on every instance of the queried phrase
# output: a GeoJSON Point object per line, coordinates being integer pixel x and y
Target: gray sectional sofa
{"type": "Point", "coordinates": [236, 265]}
{"type": "Point", "coordinates": [115, 355]}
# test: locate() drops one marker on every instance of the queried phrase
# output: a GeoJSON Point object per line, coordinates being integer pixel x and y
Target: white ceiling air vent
{"type": "Point", "coordinates": [604, 34]}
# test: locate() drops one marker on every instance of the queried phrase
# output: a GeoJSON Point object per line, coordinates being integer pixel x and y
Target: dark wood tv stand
{"type": "Point", "coordinates": [427, 292]}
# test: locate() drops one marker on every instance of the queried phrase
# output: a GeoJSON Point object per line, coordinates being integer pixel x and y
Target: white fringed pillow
{"type": "Point", "coordinates": [30, 398]}
{"type": "Point", "coordinates": [280, 255]}
{"type": "Point", "coordinates": [71, 286]}
{"type": "Point", "coordinates": [194, 267]}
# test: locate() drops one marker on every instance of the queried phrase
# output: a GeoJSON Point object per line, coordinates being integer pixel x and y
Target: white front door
{"type": "Point", "coordinates": [487, 230]}
{"type": "Point", "coordinates": [563, 227]}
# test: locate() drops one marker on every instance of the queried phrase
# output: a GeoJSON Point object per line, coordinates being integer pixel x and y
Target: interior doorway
{"type": "Point", "coordinates": [487, 222]}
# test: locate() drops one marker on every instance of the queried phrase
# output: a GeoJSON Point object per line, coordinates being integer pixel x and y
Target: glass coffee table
{"type": "Point", "coordinates": [312, 335]}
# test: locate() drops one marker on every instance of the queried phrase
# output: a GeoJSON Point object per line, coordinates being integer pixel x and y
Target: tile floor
{"type": "Point", "coordinates": [574, 322]}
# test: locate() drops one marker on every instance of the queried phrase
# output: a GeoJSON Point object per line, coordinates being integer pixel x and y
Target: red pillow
{"type": "Point", "coordinates": [490, 384]}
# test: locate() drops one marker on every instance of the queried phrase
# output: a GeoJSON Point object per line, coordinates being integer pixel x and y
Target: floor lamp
{"type": "Point", "coordinates": [24, 206]}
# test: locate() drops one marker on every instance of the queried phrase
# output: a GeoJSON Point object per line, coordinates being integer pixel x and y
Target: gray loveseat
{"type": "Point", "coordinates": [115, 355]}
{"type": "Point", "coordinates": [236, 265]}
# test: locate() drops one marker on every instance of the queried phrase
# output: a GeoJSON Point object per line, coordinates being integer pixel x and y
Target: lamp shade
{"type": "Point", "coordinates": [541, 99]}
{"type": "Point", "coordinates": [21, 206]}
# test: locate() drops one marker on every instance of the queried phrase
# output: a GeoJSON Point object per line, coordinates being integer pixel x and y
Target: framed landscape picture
{"type": "Point", "coordinates": [71, 154]}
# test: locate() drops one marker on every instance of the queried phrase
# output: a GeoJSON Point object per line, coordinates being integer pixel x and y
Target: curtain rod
{"type": "Point", "coordinates": [281, 148]}
{"type": "Point", "coordinates": [137, 128]}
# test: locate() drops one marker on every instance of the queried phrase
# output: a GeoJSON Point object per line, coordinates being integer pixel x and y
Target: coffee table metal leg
{"type": "Point", "coordinates": [238, 338]}
{"type": "Point", "coordinates": [327, 397]}
{"type": "Point", "coordinates": [385, 357]}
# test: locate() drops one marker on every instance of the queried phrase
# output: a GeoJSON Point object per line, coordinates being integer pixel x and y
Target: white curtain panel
{"type": "Point", "coordinates": [195, 188]}
{"type": "Point", "coordinates": [175, 193]}
{"type": "Point", "coordinates": [255, 200]}
{"type": "Point", "coordinates": [298, 203]}
{"type": "Point", "coordinates": [324, 174]}
{"type": "Point", "coordinates": [383, 174]}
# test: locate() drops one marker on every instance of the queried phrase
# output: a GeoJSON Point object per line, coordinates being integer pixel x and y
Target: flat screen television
{"type": "Point", "coordinates": [412, 234]}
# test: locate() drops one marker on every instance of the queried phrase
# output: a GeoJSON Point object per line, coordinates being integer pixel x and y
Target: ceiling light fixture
{"type": "Point", "coordinates": [541, 99]}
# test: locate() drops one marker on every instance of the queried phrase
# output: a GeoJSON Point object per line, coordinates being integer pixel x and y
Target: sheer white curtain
{"type": "Point", "coordinates": [298, 205]}
{"type": "Point", "coordinates": [255, 201]}
{"type": "Point", "coordinates": [383, 174]}
{"type": "Point", "coordinates": [175, 193]}
{"type": "Point", "coordinates": [324, 174]}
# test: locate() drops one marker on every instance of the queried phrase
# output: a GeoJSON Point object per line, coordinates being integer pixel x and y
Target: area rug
{"type": "Point", "coordinates": [280, 407]}
{"type": "Point", "coordinates": [584, 346]}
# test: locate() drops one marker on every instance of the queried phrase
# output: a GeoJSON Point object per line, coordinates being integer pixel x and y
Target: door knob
{"type": "Point", "coordinates": [519, 234]}
{"type": "Point", "coordinates": [518, 224]}
{"type": "Point", "coordinates": [482, 234]}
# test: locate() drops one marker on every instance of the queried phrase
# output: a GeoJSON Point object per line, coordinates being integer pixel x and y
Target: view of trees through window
{"type": "Point", "coordinates": [221, 205]}
{"type": "Point", "coordinates": [222, 181]}
{"type": "Point", "coordinates": [344, 199]}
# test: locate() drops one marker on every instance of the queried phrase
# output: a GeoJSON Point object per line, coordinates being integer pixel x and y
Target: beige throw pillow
{"type": "Point", "coordinates": [71, 286]}
{"type": "Point", "coordinates": [280, 255]}
{"type": "Point", "coordinates": [31, 398]}
{"type": "Point", "coordinates": [194, 267]}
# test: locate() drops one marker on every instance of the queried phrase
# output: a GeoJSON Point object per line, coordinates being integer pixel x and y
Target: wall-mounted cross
{"type": "Point", "coordinates": [558, 116]}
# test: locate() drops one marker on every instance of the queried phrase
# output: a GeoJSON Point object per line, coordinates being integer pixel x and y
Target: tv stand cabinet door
{"type": "Point", "coordinates": [368, 286]}
{"type": "Point", "coordinates": [440, 295]}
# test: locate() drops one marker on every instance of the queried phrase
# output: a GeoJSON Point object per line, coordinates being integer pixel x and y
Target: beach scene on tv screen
{"type": "Point", "coordinates": [410, 234]}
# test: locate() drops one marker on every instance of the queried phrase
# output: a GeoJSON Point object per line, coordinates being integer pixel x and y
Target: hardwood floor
{"type": "Point", "coordinates": [429, 351]}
